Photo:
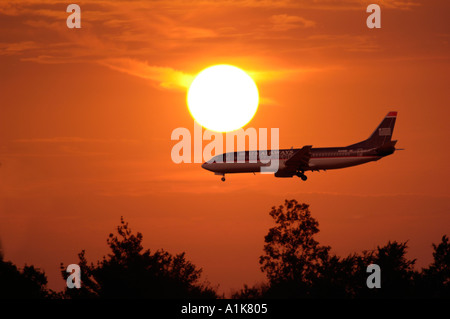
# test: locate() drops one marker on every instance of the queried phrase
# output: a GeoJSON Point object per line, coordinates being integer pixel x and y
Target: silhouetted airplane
{"type": "Point", "coordinates": [297, 161]}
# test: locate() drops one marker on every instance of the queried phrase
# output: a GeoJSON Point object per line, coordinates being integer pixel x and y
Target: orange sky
{"type": "Point", "coordinates": [87, 115]}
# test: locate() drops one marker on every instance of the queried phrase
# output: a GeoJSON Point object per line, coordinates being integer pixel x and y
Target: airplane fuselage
{"type": "Point", "coordinates": [291, 162]}
{"type": "Point", "coordinates": [320, 159]}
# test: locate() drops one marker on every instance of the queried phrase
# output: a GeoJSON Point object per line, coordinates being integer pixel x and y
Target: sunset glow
{"type": "Point", "coordinates": [223, 98]}
{"type": "Point", "coordinates": [87, 116]}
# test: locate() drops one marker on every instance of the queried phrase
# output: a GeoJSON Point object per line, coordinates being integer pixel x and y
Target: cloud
{"type": "Point", "coordinates": [61, 146]}
{"type": "Point", "coordinates": [164, 77]}
{"type": "Point", "coordinates": [283, 74]}
{"type": "Point", "coordinates": [169, 78]}
{"type": "Point", "coordinates": [50, 59]}
{"type": "Point", "coordinates": [122, 35]}
{"type": "Point", "coordinates": [18, 47]}
{"type": "Point", "coordinates": [73, 140]}
{"type": "Point", "coordinates": [66, 146]}
{"type": "Point", "coordinates": [284, 22]}
{"type": "Point", "coordinates": [324, 4]}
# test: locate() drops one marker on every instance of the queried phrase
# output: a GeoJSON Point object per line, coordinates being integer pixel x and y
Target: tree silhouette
{"type": "Point", "coordinates": [296, 266]}
{"type": "Point", "coordinates": [30, 283]}
{"type": "Point", "coordinates": [255, 292]}
{"type": "Point", "coordinates": [293, 258]}
{"type": "Point", "coordinates": [129, 271]}
{"type": "Point", "coordinates": [341, 277]}
{"type": "Point", "coordinates": [436, 278]}
{"type": "Point", "coordinates": [398, 274]}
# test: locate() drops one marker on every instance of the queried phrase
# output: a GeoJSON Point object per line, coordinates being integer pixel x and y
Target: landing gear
{"type": "Point", "coordinates": [222, 174]}
{"type": "Point", "coordinates": [302, 175]}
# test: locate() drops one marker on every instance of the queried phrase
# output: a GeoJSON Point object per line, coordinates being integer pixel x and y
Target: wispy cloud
{"type": "Point", "coordinates": [164, 77]}
{"type": "Point", "coordinates": [17, 47]}
{"type": "Point", "coordinates": [15, 7]}
{"type": "Point", "coordinates": [282, 74]}
{"type": "Point", "coordinates": [73, 140]}
{"type": "Point", "coordinates": [123, 35]}
{"type": "Point", "coordinates": [66, 146]}
{"type": "Point", "coordinates": [284, 22]}
{"type": "Point", "coordinates": [169, 78]}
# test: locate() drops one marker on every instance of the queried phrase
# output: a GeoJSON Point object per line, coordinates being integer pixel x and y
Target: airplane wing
{"type": "Point", "coordinates": [300, 158]}
{"type": "Point", "coordinates": [298, 161]}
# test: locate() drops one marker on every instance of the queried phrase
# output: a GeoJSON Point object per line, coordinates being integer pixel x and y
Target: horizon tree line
{"type": "Point", "coordinates": [296, 265]}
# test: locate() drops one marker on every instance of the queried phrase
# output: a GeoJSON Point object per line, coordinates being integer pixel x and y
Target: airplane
{"type": "Point", "coordinates": [295, 162]}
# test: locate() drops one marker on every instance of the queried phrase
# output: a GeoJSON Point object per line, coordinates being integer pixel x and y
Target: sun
{"type": "Point", "coordinates": [223, 98]}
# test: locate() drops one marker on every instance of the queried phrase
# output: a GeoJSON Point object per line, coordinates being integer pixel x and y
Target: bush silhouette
{"type": "Point", "coordinates": [28, 283]}
{"type": "Point", "coordinates": [129, 271]}
{"type": "Point", "coordinates": [297, 266]}
{"type": "Point", "coordinates": [293, 258]}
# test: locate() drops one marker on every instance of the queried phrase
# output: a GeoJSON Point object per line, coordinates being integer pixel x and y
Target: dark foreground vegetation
{"type": "Point", "coordinates": [295, 264]}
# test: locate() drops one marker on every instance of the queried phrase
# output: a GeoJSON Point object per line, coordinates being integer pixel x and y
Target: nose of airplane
{"type": "Point", "coordinates": [206, 166]}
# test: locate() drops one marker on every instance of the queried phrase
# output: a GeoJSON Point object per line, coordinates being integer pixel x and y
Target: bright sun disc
{"type": "Point", "coordinates": [223, 98]}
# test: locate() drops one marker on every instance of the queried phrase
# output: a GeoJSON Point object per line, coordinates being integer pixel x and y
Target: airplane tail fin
{"type": "Point", "coordinates": [383, 133]}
